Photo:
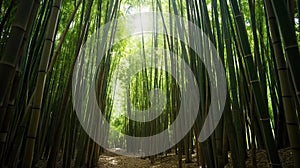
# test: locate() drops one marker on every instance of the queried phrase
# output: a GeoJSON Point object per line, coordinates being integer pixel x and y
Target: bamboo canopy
{"type": "Point", "coordinates": [212, 82]}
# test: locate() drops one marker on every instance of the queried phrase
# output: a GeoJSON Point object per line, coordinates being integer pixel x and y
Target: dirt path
{"type": "Point", "coordinates": [109, 160]}
{"type": "Point", "coordinates": [115, 161]}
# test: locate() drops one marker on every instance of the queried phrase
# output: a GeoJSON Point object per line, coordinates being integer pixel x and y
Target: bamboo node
{"type": "Point", "coordinates": [286, 96]}
{"type": "Point", "coordinates": [57, 6]}
{"type": "Point", "coordinates": [239, 15]}
{"type": "Point", "coordinates": [264, 119]}
{"type": "Point", "coordinates": [18, 26]}
{"type": "Point", "coordinates": [31, 137]}
{"type": "Point", "coordinates": [271, 17]}
{"type": "Point", "coordinates": [248, 55]}
{"type": "Point", "coordinates": [291, 123]}
{"type": "Point", "coordinates": [49, 39]}
{"type": "Point", "coordinates": [9, 64]}
{"type": "Point", "coordinates": [276, 42]}
{"type": "Point", "coordinates": [254, 81]}
{"type": "Point", "coordinates": [291, 46]}
{"type": "Point", "coordinates": [42, 71]}
{"type": "Point", "coordinates": [282, 69]}
{"type": "Point", "coordinates": [36, 108]}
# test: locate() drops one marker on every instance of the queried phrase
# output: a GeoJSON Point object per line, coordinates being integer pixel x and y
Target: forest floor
{"type": "Point", "coordinates": [115, 161]}
{"type": "Point", "coordinates": [111, 160]}
{"type": "Point", "coordinates": [108, 160]}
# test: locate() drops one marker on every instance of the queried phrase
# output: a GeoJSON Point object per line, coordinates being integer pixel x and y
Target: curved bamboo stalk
{"type": "Point", "coordinates": [285, 85]}
{"type": "Point", "coordinates": [261, 108]}
{"type": "Point", "coordinates": [11, 54]}
{"type": "Point", "coordinates": [63, 37]}
{"type": "Point", "coordinates": [290, 42]}
{"type": "Point", "coordinates": [233, 88]}
{"type": "Point", "coordinates": [39, 90]}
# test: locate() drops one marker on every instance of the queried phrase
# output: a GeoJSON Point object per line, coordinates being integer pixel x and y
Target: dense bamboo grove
{"type": "Point", "coordinates": [257, 41]}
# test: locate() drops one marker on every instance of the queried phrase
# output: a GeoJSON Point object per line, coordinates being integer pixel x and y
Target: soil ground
{"type": "Point", "coordinates": [109, 160]}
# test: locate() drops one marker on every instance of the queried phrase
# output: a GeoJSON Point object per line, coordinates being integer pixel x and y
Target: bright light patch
{"type": "Point", "coordinates": [140, 22]}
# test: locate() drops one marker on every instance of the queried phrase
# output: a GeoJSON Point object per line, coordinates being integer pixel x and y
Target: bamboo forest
{"type": "Point", "coordinates": [150, 83]}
